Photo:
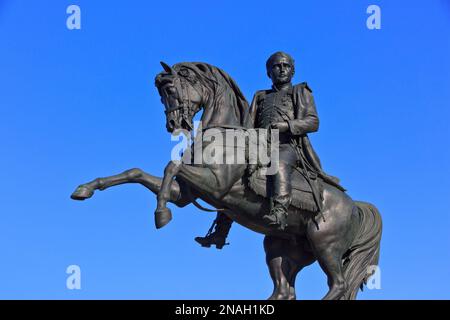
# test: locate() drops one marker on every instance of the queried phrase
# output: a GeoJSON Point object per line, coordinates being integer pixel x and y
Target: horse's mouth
{"type": "Point", "coordinates": [172, 127]}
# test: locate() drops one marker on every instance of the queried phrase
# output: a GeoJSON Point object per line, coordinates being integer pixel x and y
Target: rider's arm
{"type": "Point", "coordinates": [307, 119]}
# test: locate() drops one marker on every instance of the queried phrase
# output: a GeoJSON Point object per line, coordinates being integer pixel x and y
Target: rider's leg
{"type": "Point", "coordinates": [222, 225]}
{"type": "Point", "coordinates": [281, 185]}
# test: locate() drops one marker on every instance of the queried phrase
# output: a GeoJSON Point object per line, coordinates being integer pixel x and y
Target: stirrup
{"type": "Point", "coordinates": [276, 219]}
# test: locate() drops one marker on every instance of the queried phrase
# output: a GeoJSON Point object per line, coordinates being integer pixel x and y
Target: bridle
{"type": "Point", "coordinates": [181, 82]}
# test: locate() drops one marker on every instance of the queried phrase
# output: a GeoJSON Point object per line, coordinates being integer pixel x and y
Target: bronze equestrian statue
{"type": "Point", "coordinates": [305, 215]}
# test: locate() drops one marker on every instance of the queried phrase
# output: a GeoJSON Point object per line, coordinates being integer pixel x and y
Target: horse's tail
{"type": "Point", "coordinates": [364, 251]}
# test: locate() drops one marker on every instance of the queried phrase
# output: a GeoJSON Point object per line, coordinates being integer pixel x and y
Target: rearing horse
{"type": "Point", "coordinates": [346, 242]}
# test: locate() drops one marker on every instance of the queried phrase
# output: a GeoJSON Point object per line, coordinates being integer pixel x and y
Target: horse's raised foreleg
{"type": "Point", "coordinates": [152, 183]}
{"type": "Point", "coordinates": [163, 215]}
{"type": "Point", "coordinates": [204, 180]}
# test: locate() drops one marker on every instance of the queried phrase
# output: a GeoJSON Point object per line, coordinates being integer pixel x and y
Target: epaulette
{"type": "Point", "coordinates": [305, 84]}
{"type": "Point", "coordinates": [260, 94]}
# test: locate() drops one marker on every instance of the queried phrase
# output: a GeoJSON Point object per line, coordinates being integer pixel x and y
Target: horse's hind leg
{"type": "Point", "coordinates": [278, 267]}
{"type": "Point", "coordinates": [152, 183]}
{"type": "Point", "coordinates": [285, 260]}
{"type": "Point", "coordinates": [328, 249]}
{"type": "Point", "coordinates": [330, 239]}
{"type": "Point", "coordinates": [331, 264]}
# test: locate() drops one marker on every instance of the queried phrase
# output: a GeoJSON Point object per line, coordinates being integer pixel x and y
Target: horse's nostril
{"type": "Point", "coordinates": [170, 125]}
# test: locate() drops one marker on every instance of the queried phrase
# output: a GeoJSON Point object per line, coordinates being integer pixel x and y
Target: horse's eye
{"type": "Point", "coordinates": [184, 73]}
{"type": "Point", "coordinates": [170, 90]}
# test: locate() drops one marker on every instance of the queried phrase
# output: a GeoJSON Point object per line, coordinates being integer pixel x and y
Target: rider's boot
{"type": "Point", "coordinates": [281, 199]}
{"type": "Point", "coordinates": [277, 216]}
{"type": "Point", "coordinates": [218, 237]}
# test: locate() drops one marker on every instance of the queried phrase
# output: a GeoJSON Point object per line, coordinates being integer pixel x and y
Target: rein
{"type": "Point", "coordinates": [198, 205]}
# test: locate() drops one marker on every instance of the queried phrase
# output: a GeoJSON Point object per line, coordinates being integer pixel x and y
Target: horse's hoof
{"type": "Point", "coordinates": [162, 217]}
{"type": "Point", "coordinates": [279, 296]}
{"type": "Point", "coordinates": [82, 193]}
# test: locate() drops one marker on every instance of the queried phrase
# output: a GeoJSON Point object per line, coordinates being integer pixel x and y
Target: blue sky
{"type": "Point", "coordinates": [78, 104]}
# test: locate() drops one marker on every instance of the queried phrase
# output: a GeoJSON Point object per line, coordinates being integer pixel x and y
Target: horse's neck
{"type": "Point", "coordinates": [215, 117]}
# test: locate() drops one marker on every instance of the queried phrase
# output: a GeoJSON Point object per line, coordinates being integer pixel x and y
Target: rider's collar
{"type": "Point", "coordinates": [285, 87]}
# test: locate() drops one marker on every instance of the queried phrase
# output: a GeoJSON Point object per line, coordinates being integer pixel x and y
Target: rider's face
{"type": "Point", "coordinates": [282, 71]}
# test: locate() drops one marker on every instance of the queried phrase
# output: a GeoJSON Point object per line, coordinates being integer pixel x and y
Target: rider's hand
{"type": "Point", "coordinates": [251, 169]}
{"type": "Point", "coordinates": [281, 126]}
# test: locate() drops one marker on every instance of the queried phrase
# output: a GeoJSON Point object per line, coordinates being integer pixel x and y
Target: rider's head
{"type": "Point", "coordinates": [280, 68]}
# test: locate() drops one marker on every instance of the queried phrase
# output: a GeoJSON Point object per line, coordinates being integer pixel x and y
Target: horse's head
{"type": "Point", "coordinates": [182, 95]}
{"type": "Point", "coordinates": [188, 87]}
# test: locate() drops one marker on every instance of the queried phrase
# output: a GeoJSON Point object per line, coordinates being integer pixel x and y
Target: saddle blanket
{"type": "Point", "coordinates": [302, 196]}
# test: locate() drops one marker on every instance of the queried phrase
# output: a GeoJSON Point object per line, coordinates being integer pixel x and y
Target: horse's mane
{"type": "Point", "coordinates": [223, 88]}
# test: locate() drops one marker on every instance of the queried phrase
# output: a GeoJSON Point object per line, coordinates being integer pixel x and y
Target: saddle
{"type": "Point", "coordinates": [302, 194]}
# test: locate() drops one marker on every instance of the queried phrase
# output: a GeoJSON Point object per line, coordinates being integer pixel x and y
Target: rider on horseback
{"type": "Point", "coordinates": [290, 109]}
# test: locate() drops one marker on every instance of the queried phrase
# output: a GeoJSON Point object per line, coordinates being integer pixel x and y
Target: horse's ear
{"type": "Point", "coordinates": [167, 68]}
